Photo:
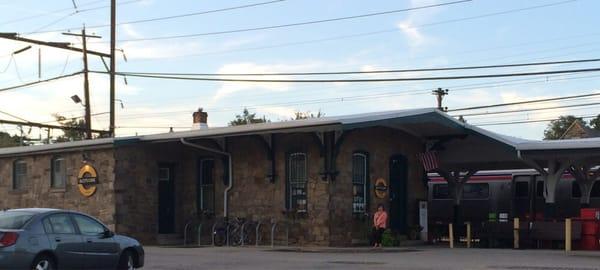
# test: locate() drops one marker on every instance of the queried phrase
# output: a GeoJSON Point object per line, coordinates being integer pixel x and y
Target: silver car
{"type": "Point", "coordinates": [50, 239]}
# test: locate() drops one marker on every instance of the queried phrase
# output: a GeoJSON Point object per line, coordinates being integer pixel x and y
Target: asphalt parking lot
{"type": "Point", "coordinates": [420, 258]}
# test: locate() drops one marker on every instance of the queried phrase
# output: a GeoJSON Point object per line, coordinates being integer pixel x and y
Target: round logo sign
{"type": "Point", "coordinates": [87, 179]}
{"type": "Point", "coordinates": [381, 188]}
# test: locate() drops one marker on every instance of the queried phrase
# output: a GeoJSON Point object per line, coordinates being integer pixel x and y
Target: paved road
{"type": "Point", "coordinates": [422, 258]}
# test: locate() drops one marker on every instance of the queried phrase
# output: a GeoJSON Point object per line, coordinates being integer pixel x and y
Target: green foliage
{"type": "Point", "coordinates": [595, 123]}
{"type": "Point", "coordinates": [306, 115]}
{"type": "Point", "coordinates": [8, 141]}
{"type": "Point", "coordinates": [70, 135]}
{"type": "Point", "coordinates": [389, 239]}
{"type": "Point", "coordinates": [247, 118]}
{"type": "Point", "coordinates": [556, 128]}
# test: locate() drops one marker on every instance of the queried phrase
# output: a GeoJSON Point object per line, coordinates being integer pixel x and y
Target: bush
{"type": "Point", "coordinates": [389, 239]}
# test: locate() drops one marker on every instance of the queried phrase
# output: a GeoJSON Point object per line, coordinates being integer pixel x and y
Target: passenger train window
{"type": "Point", "coordinates": [539, 189]}
{"type": "Point", "coordinates": [596, 190]}
{"type": "Point", "coordinates": [575, 190]}
{"type": "Point", "coordinates": [441, 191]}
{"type": "Point", "coordinates": [521, 189]}
{"type": "Point", "coordinates": [470, 191]}
{"type": "Point", "coordinates": [476, 191]}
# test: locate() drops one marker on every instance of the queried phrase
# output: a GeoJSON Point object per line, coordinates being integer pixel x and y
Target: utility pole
{"type": "Point", "coordinates": [113, 24]}
{"type": "Point", "coordinates": [440, 93]}
{"type": "Point", "coordinates": [86, 82]}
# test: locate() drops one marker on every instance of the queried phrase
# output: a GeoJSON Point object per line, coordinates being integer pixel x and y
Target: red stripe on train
{"type": "Point", "coordinates": [484, 178]}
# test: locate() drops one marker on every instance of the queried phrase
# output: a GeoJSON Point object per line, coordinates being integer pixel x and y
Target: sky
{"type": "Point", "coordinates": [478, 32]}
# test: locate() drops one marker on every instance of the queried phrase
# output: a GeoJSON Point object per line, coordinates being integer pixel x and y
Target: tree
{"type": "Point", "coordinates": [247, 118]}
{"type": "Point", "coordinates": [8, 141]}
{"type": "Point", "coordinates": [556, 128]}
{"type": "Point", "coordinates": [71, 134]}
{"type": "Point", "coordinates": [306, 115]}
{"type": "Point", "coordinates": [595, 123]}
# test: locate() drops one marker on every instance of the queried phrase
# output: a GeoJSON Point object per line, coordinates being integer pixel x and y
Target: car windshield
{"type": "Point", "coordinates": [14, 220]}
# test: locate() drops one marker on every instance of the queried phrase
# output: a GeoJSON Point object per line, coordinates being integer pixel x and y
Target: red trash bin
{"type": "Point", "coordinates": [590, 228]}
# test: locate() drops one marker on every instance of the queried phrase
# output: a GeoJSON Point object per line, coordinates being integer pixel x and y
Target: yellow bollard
{"type": "Point", "coordinates": [568, 234]}
{"type": "Point", "coordinates": [516, 233]}
{"type": "Point", "coordinates": [468, 234]}
{"type": "Point", "coordinates": [451, 233]}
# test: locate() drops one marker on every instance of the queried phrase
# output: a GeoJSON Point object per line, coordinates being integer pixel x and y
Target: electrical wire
{"type": "Point", "coordinates": [63, 9]}
{"type": "Point", "coordinates": [373, 71]}
{"type": "Point", "coordinates": [390, 30]}
{"type": "Point", "coordinates": [527, 121]}
{"type": "Point", "coordinates": [39, 82]}
{"type": "Point", "coordinates": [167, 17]}
{"type": "Point", "coordinates": [462, 77]}
{"type": "Point", "coordinates": [531, 110]}
{"type": "Point", "coordinates": [294, 24]}
{"type": "Point", "coordinates": [524, 102]}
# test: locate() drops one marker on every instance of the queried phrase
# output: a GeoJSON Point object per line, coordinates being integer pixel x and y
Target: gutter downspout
{"type": "Point", "coordinates": [229, 174]}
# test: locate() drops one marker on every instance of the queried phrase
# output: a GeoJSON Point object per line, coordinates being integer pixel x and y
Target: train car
{"type": "Point", "coordinates": [503, 195]}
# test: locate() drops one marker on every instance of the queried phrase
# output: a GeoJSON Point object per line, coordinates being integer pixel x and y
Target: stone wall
{"type": "Point", "coordinates": [255, 197]}
{"type": "Point", "coordinates": [137, 186]}
{"type": "Point", "coordinates": [37, 192]}
{"type": "Point", "coordinates": [380, 144]}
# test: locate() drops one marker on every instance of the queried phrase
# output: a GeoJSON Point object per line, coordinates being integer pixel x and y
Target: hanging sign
{"type": "Point", "coordinates": [87, 179]}
{"type": "Point", "coordinates": [381, 188]}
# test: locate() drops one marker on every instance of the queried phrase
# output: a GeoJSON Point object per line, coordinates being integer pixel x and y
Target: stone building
{"type": "Point", "coordinates": [323, 175]}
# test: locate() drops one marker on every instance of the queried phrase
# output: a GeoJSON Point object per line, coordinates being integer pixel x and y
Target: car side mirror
{"type": "Point", "coordinates": [108, 234]}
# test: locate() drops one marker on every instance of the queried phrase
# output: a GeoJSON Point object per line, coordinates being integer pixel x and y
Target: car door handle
{"type": "Point", "coordinates": [89, 240]}
{"type": "Point", "coordinates": [57, 239]}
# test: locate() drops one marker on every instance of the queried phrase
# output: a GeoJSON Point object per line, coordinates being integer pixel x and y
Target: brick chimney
{"type": "Point", "coordinates": [200, 119]}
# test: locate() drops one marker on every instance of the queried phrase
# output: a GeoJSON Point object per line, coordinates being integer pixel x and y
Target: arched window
{"type": "Point", "coordinates": [360, 171]}
{"type": "Point", "coordinates": [58, 178]}
{"type": "Point", "coordinates": [297, 178]}
{"type": "Point", "coordinates": [19, 174]}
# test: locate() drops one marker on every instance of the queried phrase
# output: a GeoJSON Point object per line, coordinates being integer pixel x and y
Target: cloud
{"type": "Point", "coordinates": [409, 26]}
{"type": "Point", "coordinates": [414, 36]}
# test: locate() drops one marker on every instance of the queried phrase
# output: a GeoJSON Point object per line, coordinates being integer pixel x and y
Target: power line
{"type": "Point", "coordinates": [524, 102]}
{"type": "Point", "coordinates": [297, 24]}
{"type": "Point", "coordinates": [371, 71]}
{"type": "Point", "coordinates": [168, 17]}
{"type": "Point", "coordinates": [39, 82]}
{"type": "Point", "coordinates": [304, 42]}
{"type": "Point", "coordinates": [65, 9]}
{"type": "Point", "coordinates": [526, 121]}
{"type": "Point", "coordinates": [14, 116]}
{"type": "Point", "coordinates": [352, 98]}
{"type": "Point", "coordinates": [462, 77]}
{"type": "Point", "coordinates": [534, 109]}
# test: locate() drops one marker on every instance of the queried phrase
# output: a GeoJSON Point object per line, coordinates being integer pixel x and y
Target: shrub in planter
{"type": "Point", "coordinates": [389, 239]}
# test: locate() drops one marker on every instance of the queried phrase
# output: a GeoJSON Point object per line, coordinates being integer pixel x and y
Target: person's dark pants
{"type": "Point", "coordinates": [377, 233]}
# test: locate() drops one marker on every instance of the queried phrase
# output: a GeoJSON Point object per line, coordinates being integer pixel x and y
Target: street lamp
{"type": "Point", "coordinates": [76, 99]}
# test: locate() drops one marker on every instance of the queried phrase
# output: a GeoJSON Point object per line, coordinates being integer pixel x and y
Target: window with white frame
{"type": "Point", "coordinates": [297, 182]}
{"type": "Point", "coordinates": [59, 173]}
{"type": "Point", "coordinates": [359, 182]}
{"type": "Point", "coordinates": [19, 174]}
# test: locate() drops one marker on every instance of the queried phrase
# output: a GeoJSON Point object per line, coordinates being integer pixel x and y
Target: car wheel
{"type": "Point", "coordinates": [43, 262]}
{"type": "Point", "coordinates": [126, 262]}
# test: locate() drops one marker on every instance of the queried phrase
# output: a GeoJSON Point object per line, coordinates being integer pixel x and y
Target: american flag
{"type": "Point", "coordinates": [429, 160]}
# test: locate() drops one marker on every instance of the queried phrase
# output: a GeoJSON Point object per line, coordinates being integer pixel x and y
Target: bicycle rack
{"type": "Point", "coordinates": [273, 230]}
{"type": "Point", "coordinates": [258, 224]}
{"type": "Point", "coordinates": [185, 230]}
{"type": "Point", "coordinates": [242, 232]}
{"type": "Point", "coordinates": [213, 232]}
{"type": "Point", "coordinates": [199, 233]}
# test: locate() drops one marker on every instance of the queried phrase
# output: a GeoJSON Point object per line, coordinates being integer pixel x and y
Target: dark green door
{"type": "Point", "coordinates": [166, 199]}
{"type": "Point", "coordinates": [398, 179]}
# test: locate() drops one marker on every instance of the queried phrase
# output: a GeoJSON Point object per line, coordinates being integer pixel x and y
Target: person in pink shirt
{"type": "Point", "coordinates": [379, 224]}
